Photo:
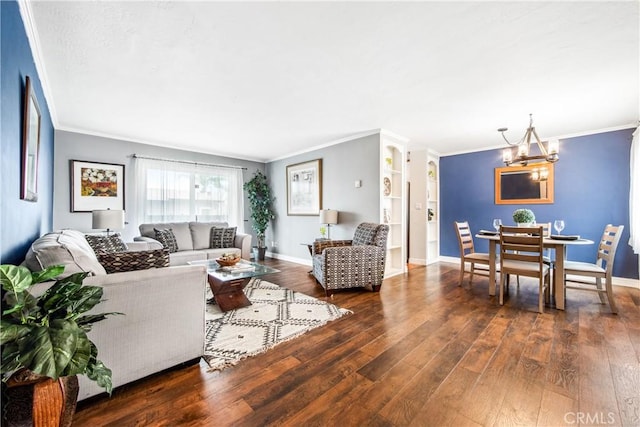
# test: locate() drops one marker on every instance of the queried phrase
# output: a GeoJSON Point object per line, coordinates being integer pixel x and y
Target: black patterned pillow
{"type": "Point", "coordinates": [131, 261]}
{"type": "Point", "coordinates": [221, 237]}
{"type": "Point", "coordinates": [167, 238]}
{"type": "Point", "coordinates": [107, 244]}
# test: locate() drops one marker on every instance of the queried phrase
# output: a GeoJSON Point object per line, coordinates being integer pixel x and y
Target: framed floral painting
{"type": "Point", "coordinates": [96, 186]}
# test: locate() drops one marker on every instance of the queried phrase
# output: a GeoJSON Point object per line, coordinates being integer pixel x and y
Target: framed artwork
{"type": "Point", "coordinates": [304, 188]}
{"type": "Point", "coordinates": [30, 145]}
{"type": "Point", "coordinates": [96, 186]}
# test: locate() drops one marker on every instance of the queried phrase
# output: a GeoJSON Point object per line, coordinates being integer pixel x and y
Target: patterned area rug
{"type": "Point", "coordinates": [276, 315]}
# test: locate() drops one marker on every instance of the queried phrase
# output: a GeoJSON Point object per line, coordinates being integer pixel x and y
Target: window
{"type": "Point", "coordinates": [178, 191]}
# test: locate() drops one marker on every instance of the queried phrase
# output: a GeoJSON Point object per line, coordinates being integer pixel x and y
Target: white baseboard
{"type": "Point", "coordinates": [449, 259]}
{"type": "Point", "coordinates": [617, 281]}
{"type": "Point", "coordinates": [289, 258]}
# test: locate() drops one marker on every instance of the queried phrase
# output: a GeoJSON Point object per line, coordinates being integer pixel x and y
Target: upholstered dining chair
{"type": "Point", "coordinates": [601, 269]}
{"type": "Point", "coordinates": [468, 253]}
{"type": "Point", "coordinates": [521, 253]}
{"type": "Point", "coordinates": [356, 263]}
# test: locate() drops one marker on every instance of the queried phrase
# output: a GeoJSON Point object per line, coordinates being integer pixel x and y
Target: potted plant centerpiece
{"type": "Point", "coordinates": [45, 344]}
{"type": "Point", "coordinates": [261, 205]}
{"type": "Point", "coordinates": [523, 217]}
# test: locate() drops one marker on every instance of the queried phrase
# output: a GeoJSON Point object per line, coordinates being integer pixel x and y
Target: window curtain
{"type": "Point", "coordinates": [169, 191]}
{"type": "Point", "coordinates": [634, 196]}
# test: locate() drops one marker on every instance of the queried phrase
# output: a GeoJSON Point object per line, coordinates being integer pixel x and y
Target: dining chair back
{"type": "Point", "coordinates": [546, 232]}
{"type": "Point", "coordinates": [521, 253]}
{"type": "Point", "coordinates": [601, 269]}
{"type": "Point", "coordinates": [468, 253]}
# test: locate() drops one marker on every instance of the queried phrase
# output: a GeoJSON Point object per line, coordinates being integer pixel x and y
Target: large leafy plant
{"type": "Point", "coordinates": [47, 334]}
{"type": "Point", "coordinates": [261, 202]}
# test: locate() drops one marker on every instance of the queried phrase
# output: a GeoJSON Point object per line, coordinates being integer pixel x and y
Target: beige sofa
{"type": "Point", "coordinates": [163, 323]}
{"type": "Point", "coordinates": [193, 241]}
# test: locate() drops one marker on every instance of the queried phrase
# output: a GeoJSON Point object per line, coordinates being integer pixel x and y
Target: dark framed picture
{"type": "Point", "coordinates": [96, 186]}
{"type": "Point", "coordinates": [304, 188]}
{"type": "Point", "coordinates": [30, 145]}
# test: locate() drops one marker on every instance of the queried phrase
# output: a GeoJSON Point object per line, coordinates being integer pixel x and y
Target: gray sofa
{"type": "Point", "coordinates": [163, 322]}
{"type": "Point", "coordinates": [193, 241]}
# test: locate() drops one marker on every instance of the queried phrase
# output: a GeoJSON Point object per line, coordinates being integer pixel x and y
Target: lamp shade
{"type": "Point", "coordinates": [108, 219]}
{"type": "Point", "coordinates": [328, 216]}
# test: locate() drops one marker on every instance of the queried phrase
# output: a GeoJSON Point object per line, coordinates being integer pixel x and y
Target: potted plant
{"type": "Point", "coordinates": [44, 339]}
{"type": "Point", "coordinates": [261, 205]}
{"type": "Point", "coordinates": [523, 217]}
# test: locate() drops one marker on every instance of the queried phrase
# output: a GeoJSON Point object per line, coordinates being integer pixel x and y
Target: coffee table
{"type": "Point", "coordinates": [227, 286]}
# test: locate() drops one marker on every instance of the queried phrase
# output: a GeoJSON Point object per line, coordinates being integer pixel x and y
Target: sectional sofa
{"type": "Point", "coordinates": [163, 322]}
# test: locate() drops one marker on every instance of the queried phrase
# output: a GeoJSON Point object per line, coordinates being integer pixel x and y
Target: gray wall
{"type": "Point", "coordinates": [76, 146]}
{"type": "Point", "coordinates": [342, 165]}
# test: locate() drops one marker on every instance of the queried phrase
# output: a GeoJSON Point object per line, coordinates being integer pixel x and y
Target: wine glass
{"type": "Point", "coordinates": [497, 223]}
{"type": "Point", "coordinates": [558, 224]}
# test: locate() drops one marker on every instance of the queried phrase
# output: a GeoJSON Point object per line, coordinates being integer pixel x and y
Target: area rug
{"type": "Point", "coordinates": [276, 315]}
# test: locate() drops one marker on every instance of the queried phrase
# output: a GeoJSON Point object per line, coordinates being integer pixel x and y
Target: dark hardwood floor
{"type": "Point", "coordinates": [423, 351]}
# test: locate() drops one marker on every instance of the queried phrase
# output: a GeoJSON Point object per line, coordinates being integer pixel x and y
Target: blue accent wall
{"type": "Point", "coordinates": [591, 190]}
{"type": "Point", "coordinates": [21, 222]}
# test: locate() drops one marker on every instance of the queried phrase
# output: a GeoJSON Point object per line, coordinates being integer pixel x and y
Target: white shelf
{"type": "Point", "coordinates": [433, 226]}
{"type": "Point", "coordinates": [392, 206]}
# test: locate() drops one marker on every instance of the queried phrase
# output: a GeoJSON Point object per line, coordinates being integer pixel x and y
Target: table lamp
{"type": "Point", "coordinates": [328, 217]}
{"type": "Point", "coordinates": [108, 219]}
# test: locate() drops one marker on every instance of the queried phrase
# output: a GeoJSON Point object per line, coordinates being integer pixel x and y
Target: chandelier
{"type": "Point", "coordinates": [523, 148]}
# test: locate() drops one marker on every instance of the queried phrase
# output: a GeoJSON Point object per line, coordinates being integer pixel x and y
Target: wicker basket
{"type": "Point", "coordinates": [227, 262]}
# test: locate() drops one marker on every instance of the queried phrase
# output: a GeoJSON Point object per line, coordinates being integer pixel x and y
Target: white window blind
{"type": "Point", "coordinates": [179, 191]}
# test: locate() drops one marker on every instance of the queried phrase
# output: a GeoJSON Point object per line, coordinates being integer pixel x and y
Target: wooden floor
{"type": "Point", "coordinates": [424, 352]}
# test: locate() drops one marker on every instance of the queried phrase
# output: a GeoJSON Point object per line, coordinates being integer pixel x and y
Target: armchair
{"type": "Point", "coordinates": [357, 263]}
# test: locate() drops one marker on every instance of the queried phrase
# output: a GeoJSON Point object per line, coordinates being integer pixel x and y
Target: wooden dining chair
{"type": "Point", "coordinates": [601, 269]}
{"type": "Point", "coordinates": [468, 253]}
{"type": "Point", "coordinates": [521, 253]}
{"type": "Point", "coordinates": [546, 232]}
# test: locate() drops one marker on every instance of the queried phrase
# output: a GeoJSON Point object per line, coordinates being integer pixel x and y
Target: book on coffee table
{"type": "Point", "coordinates": [238, 268]}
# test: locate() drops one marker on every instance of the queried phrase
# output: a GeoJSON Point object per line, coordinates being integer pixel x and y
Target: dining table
{"type": "Point", "coordinates": [559, 245]}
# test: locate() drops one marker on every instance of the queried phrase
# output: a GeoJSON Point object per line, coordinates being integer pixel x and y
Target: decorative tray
{"type": "Point", "coordinates": [564, 237]}
{"type": "Point", "coordinates": [488, 232]}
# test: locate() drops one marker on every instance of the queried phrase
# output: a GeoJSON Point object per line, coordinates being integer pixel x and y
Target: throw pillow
{"type": "Point", "coordinates": [107, 244]}
{"type": "Point", "coordinates": [222, 237]}
{"type": "Point", "coordinates": [167, 238]}
{"type": "Point", "coordinates": [118, 262]}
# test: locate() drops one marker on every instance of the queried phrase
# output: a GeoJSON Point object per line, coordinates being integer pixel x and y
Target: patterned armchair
{"type": "Point", "coordinates": [357, 263]}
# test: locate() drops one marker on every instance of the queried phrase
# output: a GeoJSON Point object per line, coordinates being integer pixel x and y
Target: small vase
{"type": "Point", "coordinates": [524, 224]}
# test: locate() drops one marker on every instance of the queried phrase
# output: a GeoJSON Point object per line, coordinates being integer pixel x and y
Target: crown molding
{"type": "Point", "coordinates": [328, 144]}
{"type": "Point", "coordinates": [36, 52]}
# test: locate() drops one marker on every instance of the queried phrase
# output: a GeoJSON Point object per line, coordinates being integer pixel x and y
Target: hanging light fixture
{"type": "Point", "coordinates": [540, 174]}
{"type": "Point", "coordinates": [523, 148]}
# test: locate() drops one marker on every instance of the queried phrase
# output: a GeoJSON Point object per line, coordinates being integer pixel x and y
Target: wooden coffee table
{"type": "Point", "coordinates": [227, 285]}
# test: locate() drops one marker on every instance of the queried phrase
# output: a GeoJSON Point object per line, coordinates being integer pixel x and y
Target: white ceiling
{"type": "Point", "coordinates": [263, 80]}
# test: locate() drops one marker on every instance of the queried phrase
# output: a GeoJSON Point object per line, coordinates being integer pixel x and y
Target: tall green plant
{"type": "Point", "coordinates": [261, 204]}
{"type": "Point", "coordinates": [48, 334]}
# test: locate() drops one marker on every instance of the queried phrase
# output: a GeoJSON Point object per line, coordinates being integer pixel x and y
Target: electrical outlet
{"type": "Point", "coordinates": [274, 244]}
